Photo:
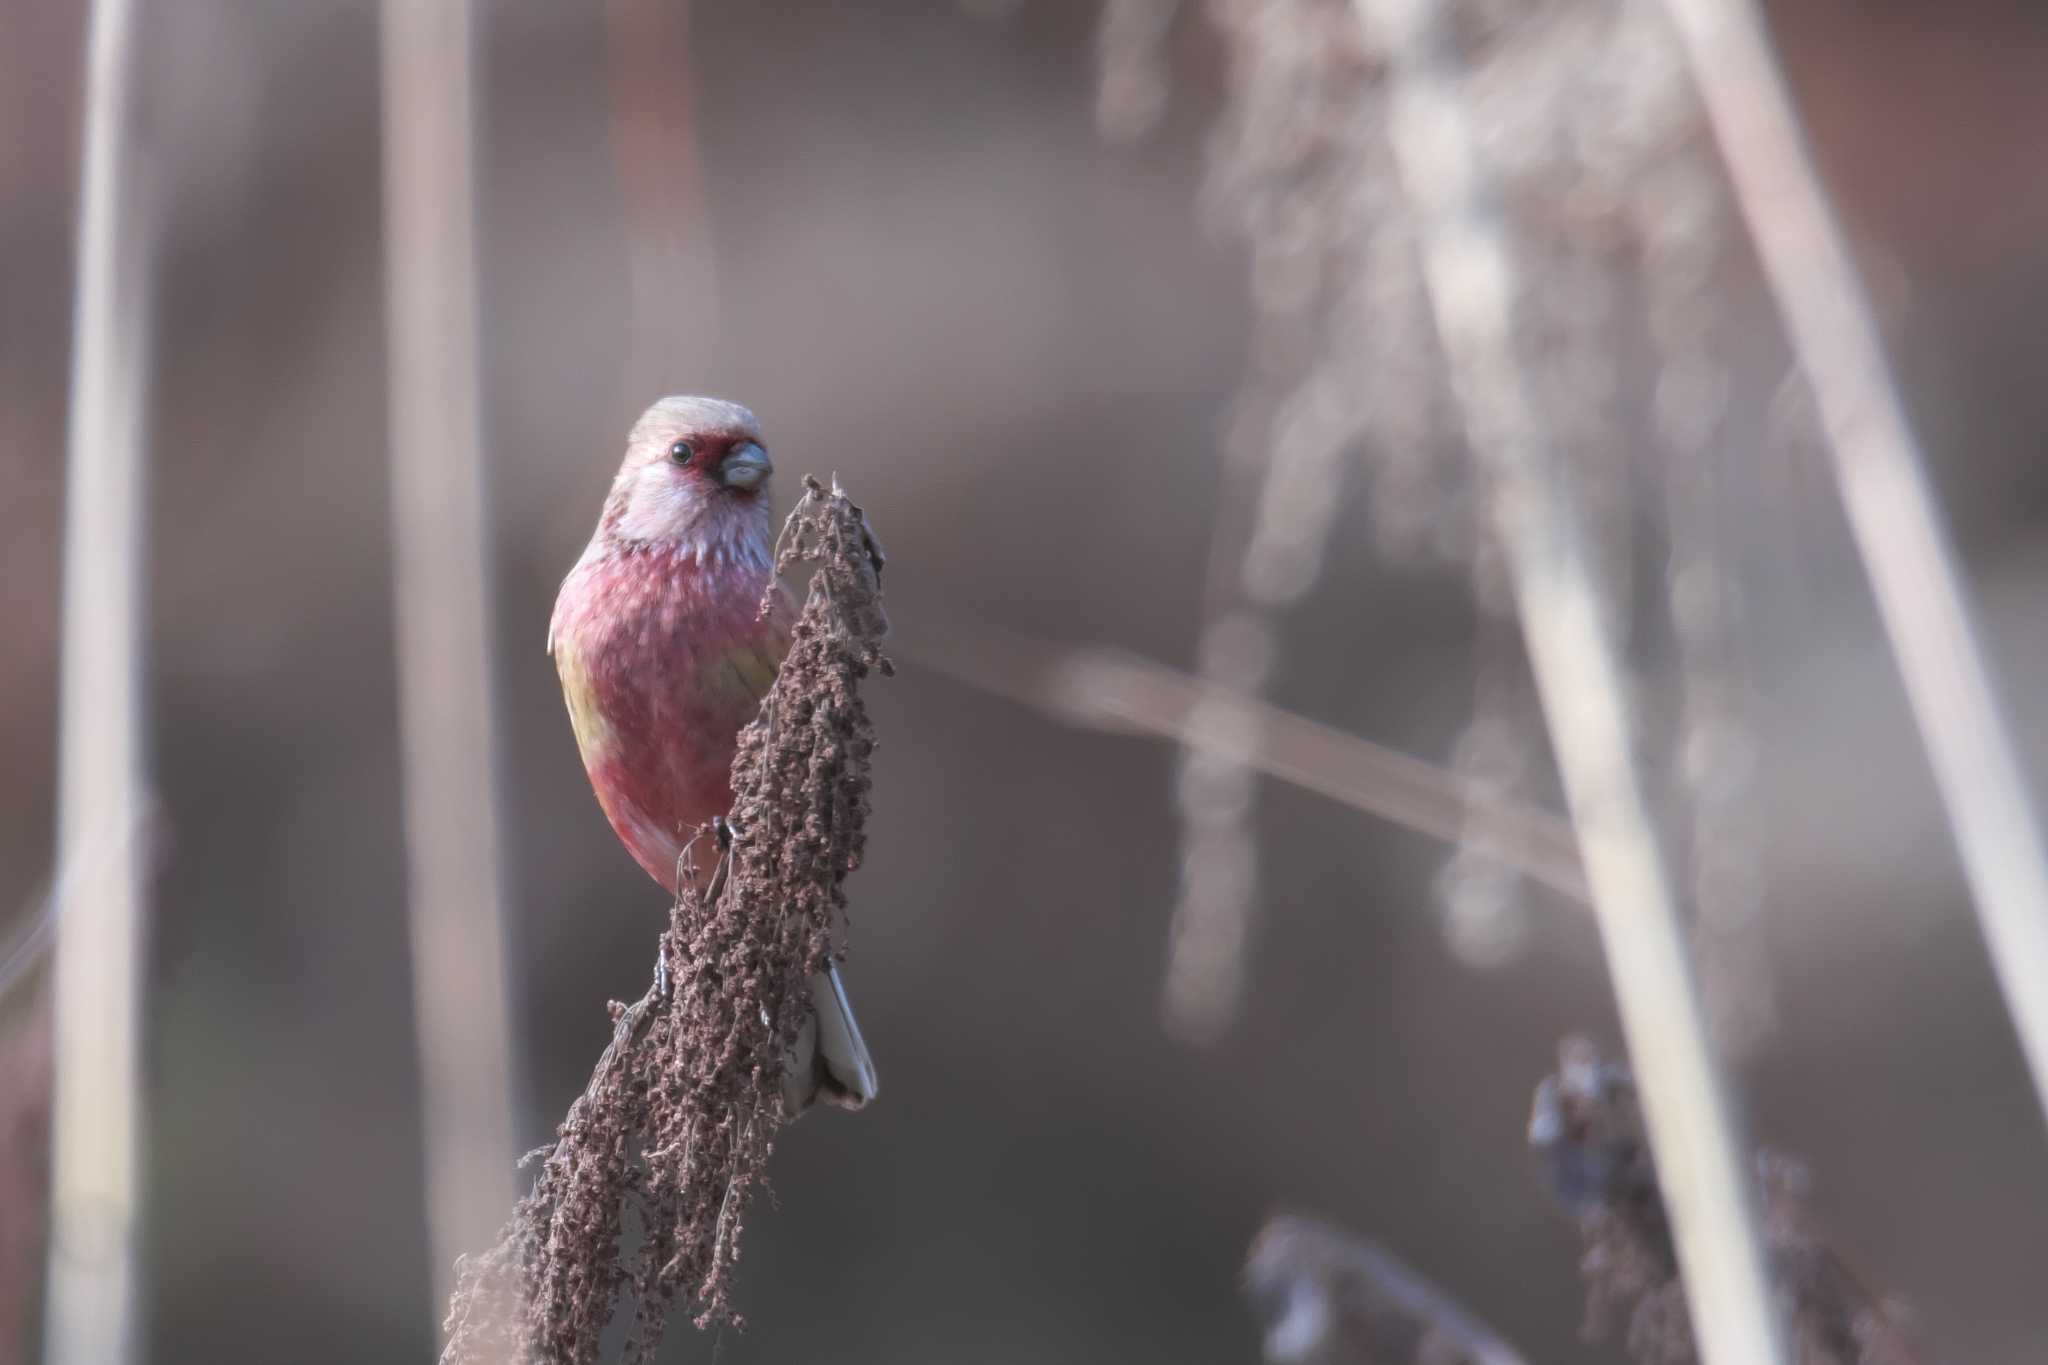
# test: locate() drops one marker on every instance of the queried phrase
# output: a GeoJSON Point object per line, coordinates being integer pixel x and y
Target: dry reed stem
{"type": "Point", "coordinates": [95, 1135]}
{"type": "Point", "coordinates": [1120, 692]}
{"type": "Point", "coordinates": [442, 605]}
{"type": "Point", "coordinates": [1891, 509]}
{"type": "Point", "coordinates": [671, 1138]}
{"type": "Point", "coordinates": [1468, 269]}
{"type": "Point", "coordinates": [1597, 148]}
{"type": "Point", "coordinates": [1295, 420]}
{"type": "Point", "coordinates": [1586, 1127]}
{"type": "Point", "coordinates": [1131, 82]}
{"type": "Point", "coordinates": [651, 98]}
{"type": "Point", "coordinates": [1327, 1297]}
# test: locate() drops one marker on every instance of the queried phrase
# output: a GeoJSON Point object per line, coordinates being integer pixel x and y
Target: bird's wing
{"type": "Point", "coordinates": [753, 663]}
{"type": "Point", "coordinates": [747, 661]}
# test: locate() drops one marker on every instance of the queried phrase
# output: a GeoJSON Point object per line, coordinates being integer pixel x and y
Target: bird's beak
{"type": "Point", "coordinates": [746, 467]}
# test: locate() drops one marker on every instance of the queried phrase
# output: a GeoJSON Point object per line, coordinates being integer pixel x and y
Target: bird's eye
{"type": "Point", "coordinates": [682, 452]}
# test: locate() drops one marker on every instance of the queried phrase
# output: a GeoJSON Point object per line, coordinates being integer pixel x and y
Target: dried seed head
{"type": "Point", "coordinates": [675, 1129]}
{"type": "Point", "coordinates": [1587, 1130]}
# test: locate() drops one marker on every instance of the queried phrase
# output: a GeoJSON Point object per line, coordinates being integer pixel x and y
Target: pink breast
{"type": "Point", "coordinates": [659, 650]}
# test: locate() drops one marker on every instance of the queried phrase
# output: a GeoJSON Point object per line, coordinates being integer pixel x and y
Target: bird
{"type": "Point", "coordinates": [664, 656]}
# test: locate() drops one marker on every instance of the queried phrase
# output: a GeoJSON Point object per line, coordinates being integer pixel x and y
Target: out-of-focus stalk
{"type": "Point", "coordinates": [1469, 274]}
{"type": "Point", "coordinates": [1328, 1297]}
{"type": "Point", "coordinates": [1115, 690]}
{"type": "Point", "coordinates": [657, 166]}
{"type": "Point", "coordinates": [443, 617]}
{"type": "Point", "coordinates": [1891, 508]}
{"type": "Point", "coordinates": [96, 1124]}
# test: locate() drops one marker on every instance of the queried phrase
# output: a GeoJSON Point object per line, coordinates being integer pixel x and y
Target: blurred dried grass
{"type": "Point", "coordinates": [1906, 547]}
{"type": "Point", "coordinates": [1586, 1126]}
{"type": "Point", "coordinates": [1583, 113]}
{"type": "Point", "coordinates": [442, 604]}
{"type": "Point", "coordinates": [1328, 1297]}
{"type": "Point", "coordinates": [100, 891]}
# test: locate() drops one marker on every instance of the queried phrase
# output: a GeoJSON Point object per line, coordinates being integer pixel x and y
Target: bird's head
{"type": "Point", "coordinates": [695, 472]}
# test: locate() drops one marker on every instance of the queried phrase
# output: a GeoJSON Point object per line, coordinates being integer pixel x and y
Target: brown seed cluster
{"type": "Point", "coordinates": [670, 1141]}
{"type": "Point", "coordinates": [1587, 1130]}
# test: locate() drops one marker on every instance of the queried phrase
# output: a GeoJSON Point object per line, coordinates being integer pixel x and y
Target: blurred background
{"type": "Point", "coordinates": [903, 234]}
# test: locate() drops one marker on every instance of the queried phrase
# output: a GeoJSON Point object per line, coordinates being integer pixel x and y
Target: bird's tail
{"type": "Point", "coordinates": [830, 1061]}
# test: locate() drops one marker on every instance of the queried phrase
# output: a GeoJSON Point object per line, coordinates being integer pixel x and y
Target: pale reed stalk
{"type": "Point", "coordinates": [443, 616]}
{"type": "Point", "coordinates": [1891, 509]}
{"type": "Point", "coordinates": [1467, 268]}
{"type": "Point", "coordinates": [89, 1316]}
{"type": "Point", "coordinates": [1116, 691]}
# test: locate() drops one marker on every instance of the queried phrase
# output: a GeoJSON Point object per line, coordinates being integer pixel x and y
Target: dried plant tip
{"type": "Point", "coordinates": [1326, 1297]}
{"type": "Point", "coordinates": [1586, 1128]}
{"type": "Point", "coordinates": [674, 1131]}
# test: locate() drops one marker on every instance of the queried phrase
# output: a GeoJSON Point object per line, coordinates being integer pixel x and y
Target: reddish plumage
{"type": "Point", "coordinates": [657, 631]}
{"type": "Point", "coordinates": [664, 656]}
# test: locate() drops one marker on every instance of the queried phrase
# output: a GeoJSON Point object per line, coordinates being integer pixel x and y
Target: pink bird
{"type": "Point", "coordinates": [664, 657]}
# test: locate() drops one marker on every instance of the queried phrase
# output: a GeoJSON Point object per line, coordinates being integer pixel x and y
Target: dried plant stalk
{"type": "Point", "coordinates": [1130, 64]}
{"type": "Point", "coordinates": [1118, 692]}
{"type": "Point", "coordinates": [442, 610]}
{"type": "Point", "coordinates": [649, 59]}
{"type": "Point", "coordinates": [1297, 416]}
{"type": "Point", "coordinates": [1913, 571]}
{"type": "Point", "coordinates": [1327, 1297]}
{"type": "Point", "coordinates": [672, 1136]}
{"type": "Point", "coordinates": [1587, 1126]}
{"type": "Point", "coordinates": [1469, 270]}
{"type": "Point", "coordinates": [102, 754]}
